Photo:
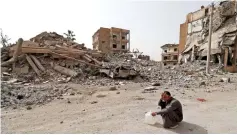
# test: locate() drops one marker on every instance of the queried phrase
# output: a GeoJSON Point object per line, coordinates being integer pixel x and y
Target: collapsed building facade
{"type": "Point", "coordinates": [194, 33]}
{"type": "Point", "coordinates": [111, 40]}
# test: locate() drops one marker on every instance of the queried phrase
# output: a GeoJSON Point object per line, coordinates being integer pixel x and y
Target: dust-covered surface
{"type": "Point", "coordinates": [102, 109]}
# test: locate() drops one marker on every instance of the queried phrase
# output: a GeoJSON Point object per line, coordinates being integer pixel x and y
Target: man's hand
{"type": "Point", "coordinates": [153, 113]}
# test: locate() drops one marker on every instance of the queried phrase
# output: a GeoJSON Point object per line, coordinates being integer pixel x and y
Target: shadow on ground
{"type": "Point", "coordinates": [186, 128]}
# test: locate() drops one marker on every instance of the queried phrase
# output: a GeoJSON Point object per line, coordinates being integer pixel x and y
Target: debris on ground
{"type": "Point", "coordinates": [227, 80]}
{"type": "Point", "coordinates": [201, 99]}
{"type": "Point", "coordinates": [113, 88]}
{"type": "Point", "coordinates": [101, 95]}
{"type": "Point", "coordinates": [94, 102]}
{"type": "Point", "coordinates": [155, 84]}
{"type": "Point", "coordinates": [150, 88]}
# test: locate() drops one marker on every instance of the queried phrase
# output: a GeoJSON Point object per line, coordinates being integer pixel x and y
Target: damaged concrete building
{"type": "Point", "coordinates": [111, 40]}
{"type": "Point", "coordinates": [194, 35]}
{"type": "Point", "coordinates": [169, 54]}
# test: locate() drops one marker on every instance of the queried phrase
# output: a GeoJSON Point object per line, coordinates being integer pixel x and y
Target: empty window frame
{"type": "Point", "coordinates": [114, 36]}
{"type": "Point", "coordinates": [114, 46]}
{"type": "Point", "coordinates": [175, 57]}
{"type": "Point", "coordinates": [123, 47]}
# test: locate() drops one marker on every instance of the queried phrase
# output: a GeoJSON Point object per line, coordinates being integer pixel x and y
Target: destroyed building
{"type": "Point", "coordinates": [194, 35]}
{"type": "Point", "coordinates": [169, 54]}
{"type": "Point", "coordinates": [111, 40]}
{"type": "Point", "coordinates": [144, 57]}
{"type": "Point", "coordinates": [47, 53]}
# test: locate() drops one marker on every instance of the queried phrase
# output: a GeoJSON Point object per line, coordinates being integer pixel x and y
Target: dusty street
{"type": "Point", "coordinates": [122, 111]}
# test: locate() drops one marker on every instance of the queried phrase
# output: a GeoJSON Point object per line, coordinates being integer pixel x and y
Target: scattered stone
{"type": "Point", "coordinates": [29, 103]}
{"type": "Point", "coordinates": [150, 88]}
{"type": "Point", "coordinates": [208, 91]}
{"type": "Point", "coordinates": [28, 107]}
{"type": "Point", "coordinates": [202, 83]}
{"type": "Point", "coordinates": [68, 101]}
{"type": "Point", "coordinates": [101, 95]}
{"type": "Point", "coordinates": [186, 86]}
{"type": "Point", "coordinates": [20, 96]}
{"type": "Point", "coordinates": [117, 92]}
{"type": "Point", "coordinates": [61, 122]}
{"type": "Point", "coordinates": [79, 93]}
{"type": "Point", "coordinates": [113, 88]}
{"type": "Point", "coordinates": [94, 102]}
{"type": "Point", "coordinates": [227, 80]}
{"type": "Point", "coordinates": [156, 84]}
{"type": "Point", "coordinates": [121, 83]}
{"type": "Point", "coordinates": [138, 98]}
{"type": "Point", "coordinates": [72, 93]}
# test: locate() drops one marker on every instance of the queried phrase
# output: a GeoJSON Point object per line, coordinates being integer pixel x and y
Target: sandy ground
{"type": "Point", "coordinates": [124, 112]}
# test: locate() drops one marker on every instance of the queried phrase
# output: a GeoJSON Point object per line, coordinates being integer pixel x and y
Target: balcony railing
{"type": "Point", "coordinates": [169, 53]}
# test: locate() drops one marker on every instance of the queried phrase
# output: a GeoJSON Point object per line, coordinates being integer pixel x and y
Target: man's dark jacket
{"type": "Point", "coordinates": [169, 106]}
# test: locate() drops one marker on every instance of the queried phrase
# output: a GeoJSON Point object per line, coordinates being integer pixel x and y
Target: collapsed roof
{"type": "Point", "coordinates": [224, 29]}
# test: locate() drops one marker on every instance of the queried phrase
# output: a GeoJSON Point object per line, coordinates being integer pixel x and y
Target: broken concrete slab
{"type": "Point", "coordinates": [150, 88]}
{"type": "Point", "coordinates": [21, 70]}
{"type": "Point", "coordinates": [155, 84]}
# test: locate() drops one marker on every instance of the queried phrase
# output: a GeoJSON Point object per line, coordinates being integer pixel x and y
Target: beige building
{"type": "Point", "coordinates": [170, 54]}
{"type": "Point", "coordinates": [111, 40]}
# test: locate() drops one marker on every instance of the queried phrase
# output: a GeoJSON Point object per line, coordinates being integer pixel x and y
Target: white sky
{"type": "Point", "coordinates": [152, 23]}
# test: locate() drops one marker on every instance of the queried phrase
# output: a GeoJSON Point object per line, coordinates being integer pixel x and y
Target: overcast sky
{"type": "Point", "coordinates": [152, 23]}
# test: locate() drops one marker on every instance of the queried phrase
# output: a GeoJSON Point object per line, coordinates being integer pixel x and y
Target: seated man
{"type": "Point", "coordinates": [171, 110]}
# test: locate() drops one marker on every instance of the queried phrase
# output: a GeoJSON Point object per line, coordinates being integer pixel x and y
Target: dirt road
{"type": "Point", "coordinates": [122, 111]}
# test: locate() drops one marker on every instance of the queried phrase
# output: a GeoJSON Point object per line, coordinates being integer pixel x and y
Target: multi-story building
{"type": "Point", "coordinates": [194, 35]}
{"type": "Point", "coordinates": [111, 40]}
{"type": "Point", "coordinates": [170, 54]}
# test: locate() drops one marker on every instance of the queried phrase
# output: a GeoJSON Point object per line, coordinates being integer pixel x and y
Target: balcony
{"type": "Point", "coordinates": [169, 53]}
{"type": "Point", "coordinates": [169, 60]}
{"type": "Point", "coordinates": [116, 40]}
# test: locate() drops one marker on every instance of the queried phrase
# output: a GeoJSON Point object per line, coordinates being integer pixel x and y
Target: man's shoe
{"type": "Point", "coordinates": [174, 126]}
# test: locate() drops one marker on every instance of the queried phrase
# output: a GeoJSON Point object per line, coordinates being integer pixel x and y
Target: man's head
{"type": "Point", "coordinates": [166, 95]}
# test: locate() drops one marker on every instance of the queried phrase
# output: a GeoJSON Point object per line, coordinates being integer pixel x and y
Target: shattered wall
{"type": "Point", "coordinates": [183, 36]}
{"type": "Point", "coordinates": [224, 29]}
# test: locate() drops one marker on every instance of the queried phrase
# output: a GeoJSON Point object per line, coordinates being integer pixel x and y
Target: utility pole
{"type": "Point", "coordinates": [209, 41]}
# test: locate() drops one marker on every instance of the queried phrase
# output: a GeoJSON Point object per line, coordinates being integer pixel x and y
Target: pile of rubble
{"type": "Point", "coordinates": [18, 96]}
{"type": "Point", "coordinates": [46, 55]}
{"type": "Point", "coordinates": [50, 57]}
